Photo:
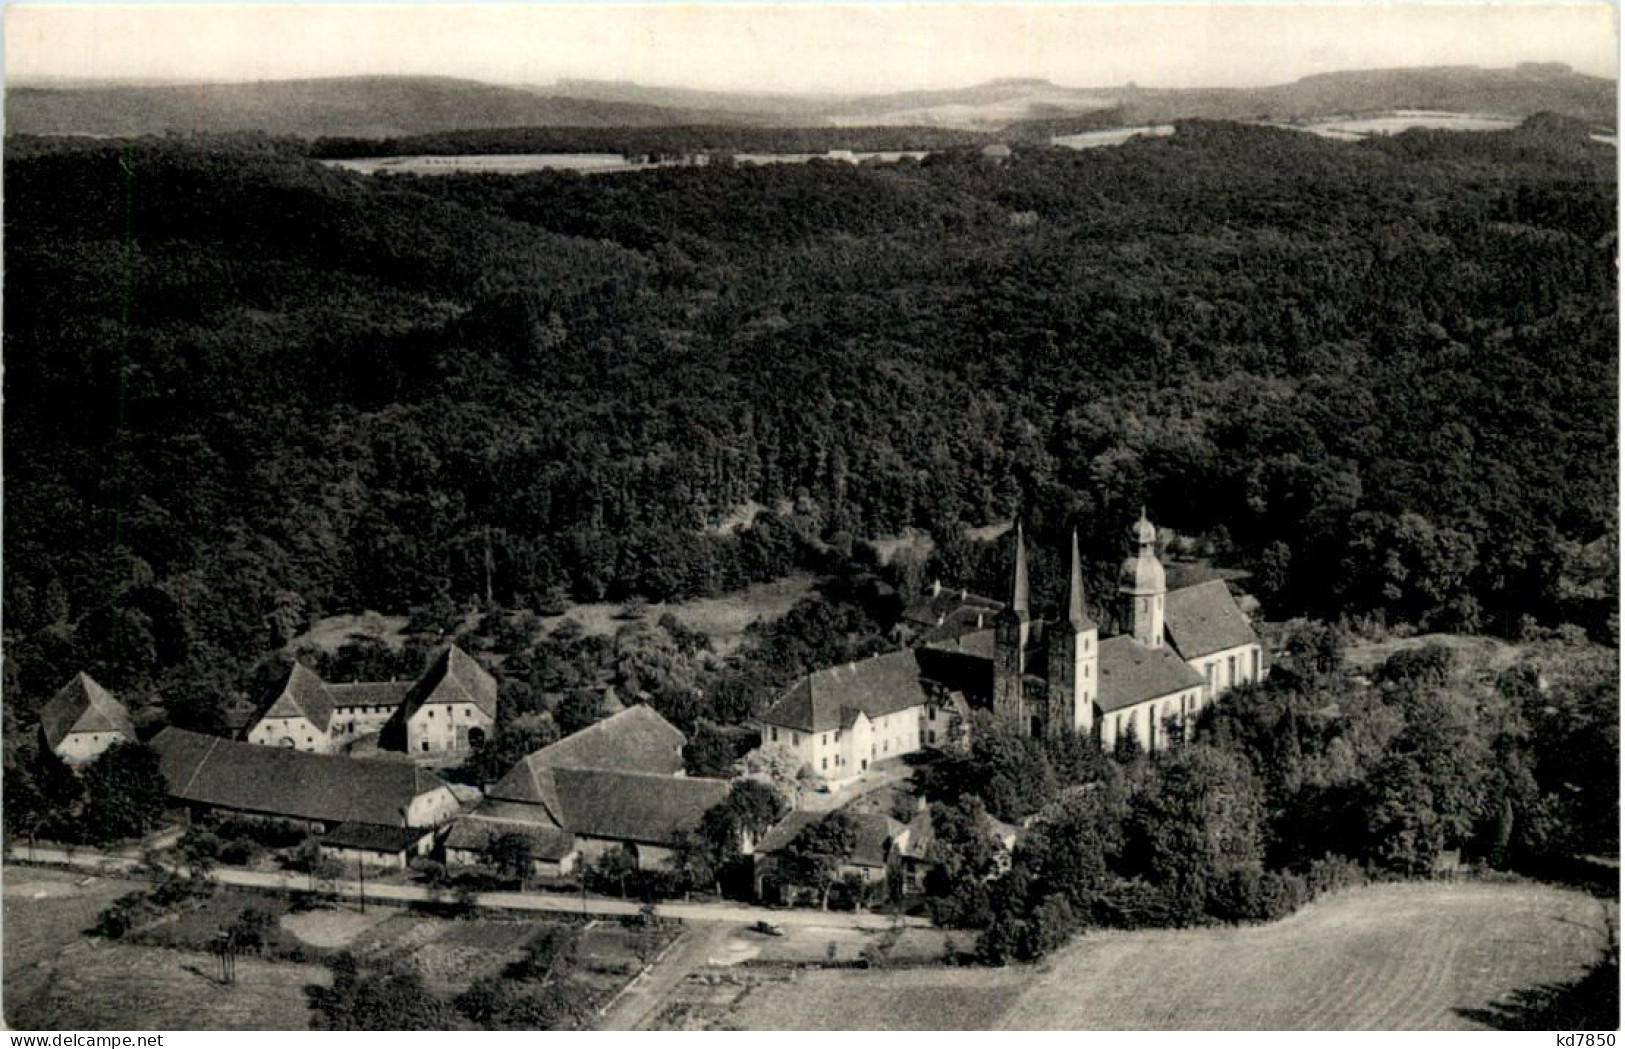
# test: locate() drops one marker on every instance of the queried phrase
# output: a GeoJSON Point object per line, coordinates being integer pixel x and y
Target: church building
{"type": "Point", "coordinates": [1184, 648]}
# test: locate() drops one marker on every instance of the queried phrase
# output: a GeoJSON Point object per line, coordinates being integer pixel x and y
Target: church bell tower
{"type": "Point", "coordinates": [1145, 586]}
{"type": "Point", "coordinates": [1011, 628]}
{"type": "Point", "coordinates": [1074, 660]}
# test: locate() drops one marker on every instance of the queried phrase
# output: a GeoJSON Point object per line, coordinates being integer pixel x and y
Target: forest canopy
{"type": "Point", "coordinates": [244, 388]}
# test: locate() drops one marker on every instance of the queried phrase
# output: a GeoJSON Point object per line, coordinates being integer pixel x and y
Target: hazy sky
{"type": "Point", "coordinates": [798, 47]}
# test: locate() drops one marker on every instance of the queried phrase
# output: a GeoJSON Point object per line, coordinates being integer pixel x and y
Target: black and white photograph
{"type": "Point", "coordinates": [701, 517]}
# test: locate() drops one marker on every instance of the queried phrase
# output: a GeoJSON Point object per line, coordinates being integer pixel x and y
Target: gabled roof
{"type": "Point", "coordinates": [530, 782]}
{"type": "Point", "coordinates": [476, 830]}
{"type": "Point", "coordinates": [368, 693]}
{"type": "Point", "coordinates": [879, 686]}
{"type": "Point", "coordinates": [876, 832]}
{"type": "Point", "coordinates": [302, 695]}
{"type": "Point", "coordinates": [281, 781]}
{"type": "Point", "coordinates": [634, 806]}
{"type": "Point", "coordinates": [1132, 673]}
{"type": "Point", "coordinates": [637, 739]}
{"type": "Point", "coordinates": [1204, 619]}
{"type": "Point", "coordinates": [454, 677]}
{"type": "Point", "coordinates": [83, 706]}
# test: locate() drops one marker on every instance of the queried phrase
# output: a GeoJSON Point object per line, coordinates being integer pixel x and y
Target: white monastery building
{"type": "Point", "coordinates": [1185, 648]}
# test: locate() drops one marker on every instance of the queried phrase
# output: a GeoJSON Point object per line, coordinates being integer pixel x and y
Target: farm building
{"type": "Point", "coordinates": [450, 710]}
{"type": "Point", "coordinates": [879, 839]}
{"type": "Point", "coordinates": [82, 720]}
{"type": "Point", "coordinates": [1186, 648]}
{"type": "Point", "coordinates": [376, 845]}
{"type": "Point", "coordinates": [914, 852]}
{"type": "Point", "coordinates": [553, 851]}
{"type": "Point", "coordinates": [616, 785]}
{"type": "Point", "coordinates": [446, 712]}
{"type": "Point", "coordinates": [322, 792]}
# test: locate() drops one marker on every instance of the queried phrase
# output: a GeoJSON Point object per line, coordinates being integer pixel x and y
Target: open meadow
{"type": "Point", "coordinates": [722, 619]}
{"type": "Point", "coordinates": [57, 977]}
{"type": "Point", "coordinates": [162, 977]}
{"type": "Point", "coordinates": [1387, 957]}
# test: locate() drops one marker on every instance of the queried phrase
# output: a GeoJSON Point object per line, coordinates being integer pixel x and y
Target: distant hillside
{"type": "Point", "coordinates": [365, 107]}
{"type": "Point", "coordinates": [382, 107]}
{"type": "Point", "coordinates": [1520, 92]}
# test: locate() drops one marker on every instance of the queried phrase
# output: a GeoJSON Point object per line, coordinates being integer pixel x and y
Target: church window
{"type": "Point", "coordinates": [1232, 670]}
{"type": "Point", "coordinates": [1256, 673]}
{"type": "Point", "coordinates": [775, 735]}
{"type": "Point", "coordinates": [795, 739]}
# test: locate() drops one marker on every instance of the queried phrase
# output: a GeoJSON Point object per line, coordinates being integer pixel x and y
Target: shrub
{"type": "Point", "coordinates": [122, 915]}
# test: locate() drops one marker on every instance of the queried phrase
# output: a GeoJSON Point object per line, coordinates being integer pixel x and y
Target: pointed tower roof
{"type": "Point", "coordinates": [1077, 612]}
{"type": "Point", "coordinates": [1018, 580]}
{"type": "Point", "coordinates": [1145, 533]}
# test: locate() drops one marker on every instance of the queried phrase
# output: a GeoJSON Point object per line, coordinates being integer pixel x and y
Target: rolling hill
{"type": "Point", "coordinates": [378, 107]}
{"type": "Point", "coordinates": [357, 106]}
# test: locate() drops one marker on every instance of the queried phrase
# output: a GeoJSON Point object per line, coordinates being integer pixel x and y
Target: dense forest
{"type": "Point", "coordinates": [244, 389]}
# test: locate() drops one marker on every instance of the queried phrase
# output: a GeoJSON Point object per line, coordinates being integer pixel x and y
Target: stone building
{"type": "Point", "coordinates": [82, 720]}
{"type": "Point", "coordinates": [444, 714]}
{"type": "Point", "coordinates": [1184, 648]}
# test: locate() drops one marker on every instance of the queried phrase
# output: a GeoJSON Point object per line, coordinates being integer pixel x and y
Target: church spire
{"type": "Point", "coordinates": [1077, 612]}
{"type": "Point", "coordinates": [1018, 582]}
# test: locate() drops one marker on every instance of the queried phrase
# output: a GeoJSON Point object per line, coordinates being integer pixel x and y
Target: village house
{"type": "Point", "coordinates": [878, 841]}
{"type": "Point", "coordinates": [446, 713]}
{"type": "Point", "coordinates": [82, 720]}
{"type": "Point", "coordinates": [915, 850]}
{"type": "Point", "coordinates": [617, 785]}
{"type": "Point", "coordinates": [1186, 648]}
{"type": "Point", "coordinates": [382, 811]}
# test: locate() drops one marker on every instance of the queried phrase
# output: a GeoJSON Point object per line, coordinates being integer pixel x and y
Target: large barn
{"type": "Point", "coordinates": [389, 809]}
{"type": "Point", "coordinates": [616, 785]}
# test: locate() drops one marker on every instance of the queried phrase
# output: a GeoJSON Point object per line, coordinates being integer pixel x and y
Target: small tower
{"type": "Point", "coordinates": [1010, 630]}
{"type": "Point", "coordinates": [1074, 660]}
{"type": "Point", "coordinates": [1143, 583]}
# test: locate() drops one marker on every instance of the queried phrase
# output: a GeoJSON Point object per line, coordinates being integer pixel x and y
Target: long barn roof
{"type": "Point", "coordinates": [281, 781]}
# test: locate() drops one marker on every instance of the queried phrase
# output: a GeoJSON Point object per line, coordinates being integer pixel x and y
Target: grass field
{"type": "Point", "coordinates": [56, 977]}
{"type": "Point", "coordinates": [1470, 649]}
{"type": "Point", "coordinates": [722, 619]}
{"type": "Point", "coordinates": [1386, 957]}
